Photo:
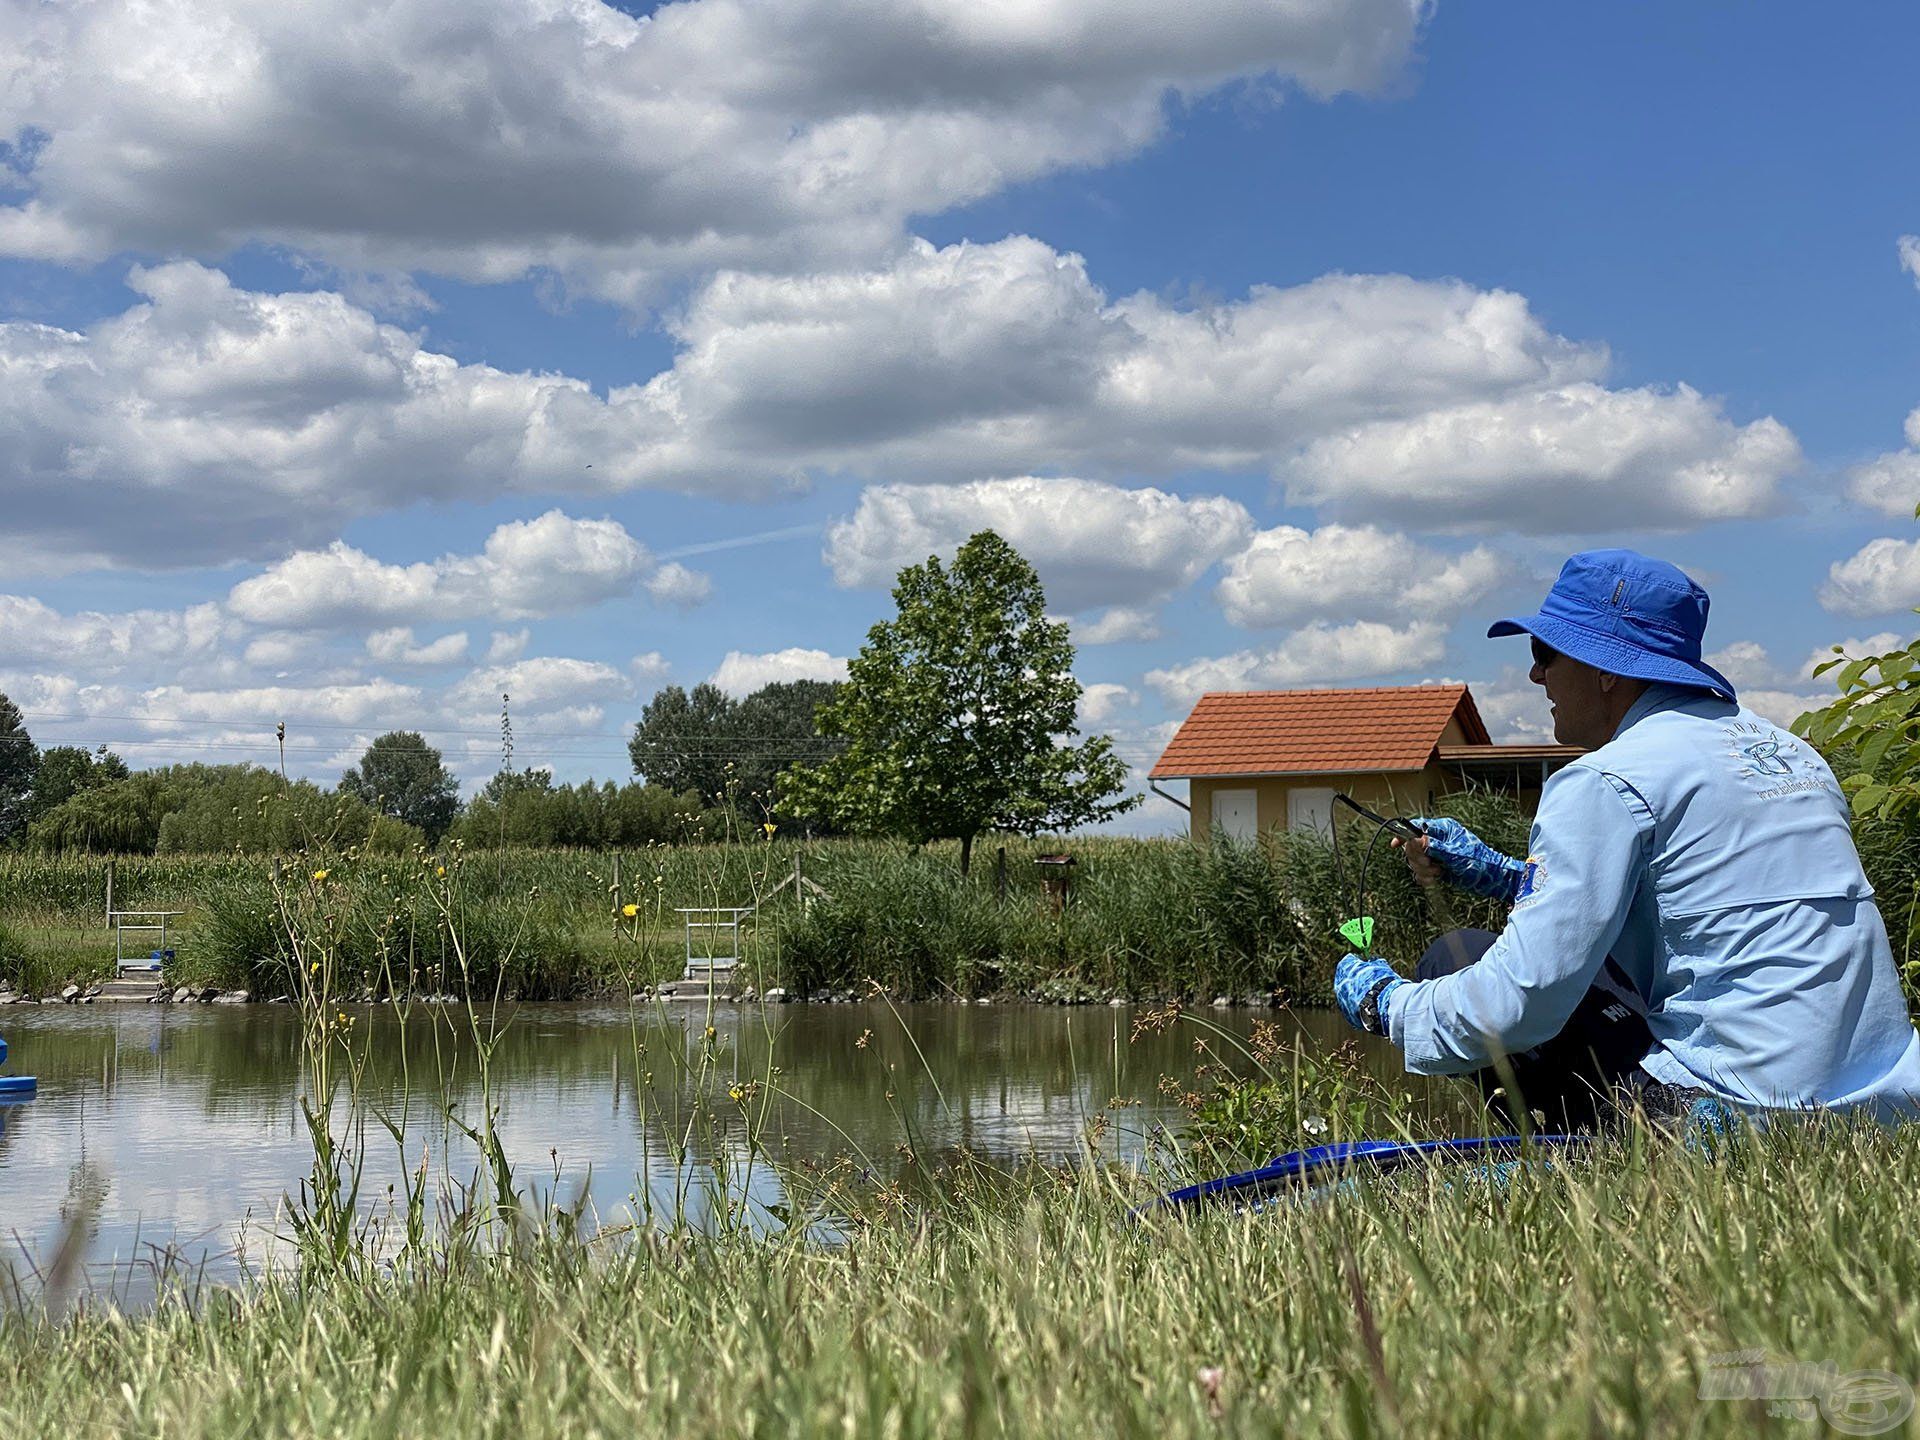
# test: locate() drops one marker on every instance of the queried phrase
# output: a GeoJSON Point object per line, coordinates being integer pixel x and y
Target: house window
{"type": "Point", "coordinates": [1233, 816]}
{"type": "Point", "coordinates": [1310, 807]}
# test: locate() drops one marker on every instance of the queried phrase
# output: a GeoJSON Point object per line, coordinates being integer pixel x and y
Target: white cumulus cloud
{"type": "Point", "coordinates": [741, 673]}
{"type": "Point", "coordinates": [208, 423]}
{"type": "Point", "coordinates": [495, 138]}
{"type": "Point", "coordinates": [1118, 624]}
{"type": "Point", "coordinates": [504, 646]}
{"type": "Point", "coordinates": [385, 704]}
{"type": "Point", "coordinates": [1102, 701]}
{"type": "Point", "coordinates": [951, 362]}
{"type": "Point", "coordinates": [1313, 654]}
{"type": "Point", "coordinates": [1570, 458]}
{"type": "Point", "coordinates": [1890, 483]}
{"type": "Point", "coordinates": [527, 569]}
{"type": "Point", "coordinates": [1093, 544]}
{"type": "Point", "coordinates": [1371, 394]}
{"type": "Point", "coordinates": [1288, 575]}
{"type": "Point", "coordinates": [396, 646]}
{"type": "Point", "coordinates": [1882, 576]}
{"type": "Point", "coordinates": [553, 687]}
{"type": "Point", "coordinates": [32, 632]}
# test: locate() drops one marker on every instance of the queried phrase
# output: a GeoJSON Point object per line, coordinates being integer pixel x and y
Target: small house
{"type": "Point", "coordinates": [1259, 760]}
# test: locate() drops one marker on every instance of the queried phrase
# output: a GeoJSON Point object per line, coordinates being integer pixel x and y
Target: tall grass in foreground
{"type": "Point", "coordinates": [1593, 1298]}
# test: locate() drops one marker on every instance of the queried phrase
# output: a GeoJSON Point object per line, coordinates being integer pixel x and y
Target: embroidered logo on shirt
{"type": "Point", "coordinates": [1778, 763]}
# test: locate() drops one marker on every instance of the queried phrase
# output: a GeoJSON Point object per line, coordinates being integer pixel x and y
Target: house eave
{"type": "Point", "coordinates": [1286, 774]}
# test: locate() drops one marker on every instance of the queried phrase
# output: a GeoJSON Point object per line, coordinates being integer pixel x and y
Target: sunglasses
{"type": "Point", "coordinates": [1543, 653]}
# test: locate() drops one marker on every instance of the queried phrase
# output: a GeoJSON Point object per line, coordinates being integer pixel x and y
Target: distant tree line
{"type": "Point", "coordinates": [702, 780]}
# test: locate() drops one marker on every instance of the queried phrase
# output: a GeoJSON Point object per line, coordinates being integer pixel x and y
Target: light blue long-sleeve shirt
{"type": "Point", "coordinates": [1710, 853]}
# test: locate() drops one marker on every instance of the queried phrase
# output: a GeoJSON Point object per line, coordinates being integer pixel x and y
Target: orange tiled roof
{"type": "Point", "coordinates": [1303, 732]}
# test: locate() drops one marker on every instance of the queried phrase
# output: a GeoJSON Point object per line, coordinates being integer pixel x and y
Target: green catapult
{"type": "Point", "coordinates": [1358, 933]}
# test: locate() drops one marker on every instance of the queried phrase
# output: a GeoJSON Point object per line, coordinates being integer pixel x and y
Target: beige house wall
{"type": "Point", "coordinates": [1409, 792]}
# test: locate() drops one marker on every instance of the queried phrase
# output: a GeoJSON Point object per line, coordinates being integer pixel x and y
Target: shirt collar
{"type": "Point", "coordinates": [1655, 699]}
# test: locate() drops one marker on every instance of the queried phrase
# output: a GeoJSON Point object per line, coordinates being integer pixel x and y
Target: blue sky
{"type": "Point", "coordinates": [382, 366]}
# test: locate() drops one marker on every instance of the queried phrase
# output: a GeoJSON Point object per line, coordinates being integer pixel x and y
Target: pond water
{"type": "Point", "coordinates": [179, 1128]}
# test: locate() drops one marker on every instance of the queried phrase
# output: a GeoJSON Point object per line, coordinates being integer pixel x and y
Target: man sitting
{"type": "Point", "coordinates": [1692, 897]}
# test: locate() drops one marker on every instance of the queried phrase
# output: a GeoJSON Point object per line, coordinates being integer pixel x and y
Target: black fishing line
{"type": "Point", "coordinates": [1382, 826]}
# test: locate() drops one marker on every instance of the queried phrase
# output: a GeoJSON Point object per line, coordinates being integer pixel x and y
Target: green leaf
{"type": "Point", "coordinates": [1874, 748]}
{"type": "Point", "coordinates": [1870, 797]}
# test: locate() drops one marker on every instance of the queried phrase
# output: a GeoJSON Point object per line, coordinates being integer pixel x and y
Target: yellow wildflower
{"type": "Point", "coordinates": [441, 871]}
{"type": "Point", "coordinates": [319, 875]}
{"type": "Point", "coordinates": [769, 827]}
{"type": "Point", "coordinates": [629, 911]}
{"type": "Point", "coordinates": [736, 1094]}
{"type": "Point", "coordinates": [711, 1032]}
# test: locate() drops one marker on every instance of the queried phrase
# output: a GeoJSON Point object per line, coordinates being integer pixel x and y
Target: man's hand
{"type": "Point", "coordinates": [1448, 850]}
{"type": "Point", "coordinates": [1425, 869]}
{"type": "Point", "coordinates": [1361, 985]}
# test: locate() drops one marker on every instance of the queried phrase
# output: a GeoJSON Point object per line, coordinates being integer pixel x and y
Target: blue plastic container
{"type": "Point", "coordinates": [14, 1088]}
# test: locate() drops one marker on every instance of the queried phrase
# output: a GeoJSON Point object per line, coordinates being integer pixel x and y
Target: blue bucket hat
{"type": "Point", "coordinates": [1628, 614]}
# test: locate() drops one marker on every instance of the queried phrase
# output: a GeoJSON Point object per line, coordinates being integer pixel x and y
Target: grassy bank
{"type": "Point", "coordinates": [1593, 1299]}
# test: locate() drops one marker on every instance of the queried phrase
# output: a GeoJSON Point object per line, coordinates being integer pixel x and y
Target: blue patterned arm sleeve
{"type": "Point", "coordinates": [1588, 843]}
{"type": "Point", "coordinates": [1470, 862]}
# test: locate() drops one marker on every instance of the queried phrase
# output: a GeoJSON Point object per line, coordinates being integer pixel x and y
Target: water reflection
{"type": "Point", "coordinates": [180, 1126]}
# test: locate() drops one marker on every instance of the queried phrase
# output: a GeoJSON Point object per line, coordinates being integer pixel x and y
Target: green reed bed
{"type": "Point", "coordinates": [1155, 918]}
{"type": "Point", "coordinates": [1590, 1299]}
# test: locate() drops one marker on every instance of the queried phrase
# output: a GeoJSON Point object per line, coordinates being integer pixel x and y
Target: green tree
{"type": "Point", "coordinates": [958, 715]}
{"type": "Point", "coordinates": [505, 784]}
{"type": "Point", "coordinates": [214, 808]}
{"type": "Point", "coordinates": [685, 741]}
{"type": "Point", "coordinates": [775, 728]}
{"type": "Point", "coordinates": [118, 819]}
{"type": "Point", "coordinates": [587, 816]}
{"type": "Point", "coordinates": [401, 775]}
{"type": "Point", "coordinates": [66, 770]}
{"type": "Point", "coordinates": [1872, 730]}
{"type": "Point", "coordinates": [18, 761]}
